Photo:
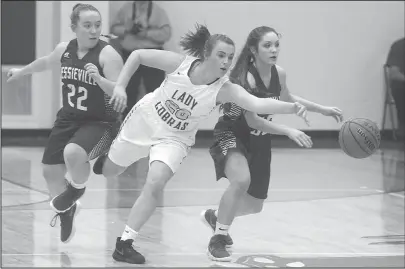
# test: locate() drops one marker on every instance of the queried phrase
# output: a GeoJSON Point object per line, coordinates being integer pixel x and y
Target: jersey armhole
{"type": "Point", "coordinates": [64, 51]}
{"type": "Point", "coordinates": [221, 83]}
{"type": "Point", "coordinates": [101, 51]}
{"type": "Point", "coordinates": [185, 61]}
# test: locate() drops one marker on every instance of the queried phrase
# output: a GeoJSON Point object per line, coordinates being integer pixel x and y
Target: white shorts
{"type": "Point", "coordinates": [137, 139]}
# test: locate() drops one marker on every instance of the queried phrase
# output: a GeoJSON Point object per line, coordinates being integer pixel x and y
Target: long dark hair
{"type": "Point", "coordinates": [239, 71]}
{"type": "Point", "coordinates": [201, 42]}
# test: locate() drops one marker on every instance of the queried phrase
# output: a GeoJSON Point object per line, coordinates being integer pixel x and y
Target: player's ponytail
{"type": "Point", "coordinates": [194, 43]}
{"type": "Point", "coordinates": [201, 42]}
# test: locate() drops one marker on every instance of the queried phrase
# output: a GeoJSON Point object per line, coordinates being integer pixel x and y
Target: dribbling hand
{"type": "Point", "coordinates": [119, 99]}
{"type": "Point", "coordinates": [13, 74]}
{"type": "Point", "coordinates": [93, 72]}
{"type": "Point", "coordinates": [301, 111]}
{"type": "Point", "coordinates": [334, 112]}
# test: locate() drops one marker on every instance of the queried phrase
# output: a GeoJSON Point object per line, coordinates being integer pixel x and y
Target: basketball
{"type": "Point", "coordinates": [359, 138]}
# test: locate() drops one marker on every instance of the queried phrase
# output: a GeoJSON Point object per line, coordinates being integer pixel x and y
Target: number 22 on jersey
{"type": "Point", "coordinates": [79, 100]}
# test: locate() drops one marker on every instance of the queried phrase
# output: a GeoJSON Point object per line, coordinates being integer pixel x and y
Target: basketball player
{"type": "Point", "coordinates": [163, 124]}
{"type": "Point", "coordinates": [86, 124]}
{"type": "Point", "coordinates": [242, 148]}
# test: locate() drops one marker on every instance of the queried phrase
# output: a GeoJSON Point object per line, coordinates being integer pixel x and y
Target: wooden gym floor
{"type": "Point", "coordinates": [324, 210]}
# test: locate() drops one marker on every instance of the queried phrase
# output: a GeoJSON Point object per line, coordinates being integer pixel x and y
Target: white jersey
{"type": "Point", "coordinates": [176, 108]}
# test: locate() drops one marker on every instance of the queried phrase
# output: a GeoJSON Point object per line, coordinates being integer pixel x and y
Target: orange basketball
{"type": "Point", "coordinates": [359, 138]}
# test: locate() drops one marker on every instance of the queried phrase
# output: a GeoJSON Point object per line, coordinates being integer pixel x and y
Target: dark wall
{"type": "Point", "coordinates": [18, 32]}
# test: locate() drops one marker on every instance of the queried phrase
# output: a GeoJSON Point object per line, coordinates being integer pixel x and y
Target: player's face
{"type": "Point", "coordinates": [268, 48]}
{"type": "Point", "coordinates": [88, 28]}
{"type": "Point", "coordinates": [221, 58]}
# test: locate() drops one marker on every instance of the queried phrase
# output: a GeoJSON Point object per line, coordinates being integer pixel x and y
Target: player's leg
{"type": "Point", "coordinates": [54, 171]}
{"type": "Point", "coordinates": [83, 146]}
{"type": "Point", "coordinates": [165, 158]}
{"type": "Point", "coordinates": [249, 205]}
{"type": "Point", "coordinates": [54, 175]}
{"type": "Point", "coordinates": [237, 171]}
{"type": "Point", "coordinates": [218, 151]}
{"type": "Point", "coordinates": [125, 149]}
{"type": "Point", "coordinates": [252, 201]}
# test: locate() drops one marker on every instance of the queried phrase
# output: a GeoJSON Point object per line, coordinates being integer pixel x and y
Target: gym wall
{"type": "Point", "coordinates": [333, 52]}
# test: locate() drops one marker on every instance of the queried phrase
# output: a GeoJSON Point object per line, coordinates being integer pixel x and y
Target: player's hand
{"type": "Point", "coordinates": [93, 72]}
{"type": "Point", "coordinates": [334, 112]}
{"type": "Point", "coordinates": [301, 111]}
{"type": "Point", "coordinates": [13, 74]}
{"type": "Point", "coordinates": [119, 99]}
{"type": "Point", "coordinates": [300, 138]}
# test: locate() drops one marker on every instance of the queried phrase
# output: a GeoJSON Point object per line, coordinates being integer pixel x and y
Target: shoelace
{"type": "Point", "coordinates": [220, 241]}
{"type": "Point", "coordinates": [53, 220]}
{"type": "Point", "coordinates": [129, 243]}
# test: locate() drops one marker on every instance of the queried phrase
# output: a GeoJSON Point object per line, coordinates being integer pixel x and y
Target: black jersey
{"type": "Point", "coordinates": [83, 99]}
{"type": "Point", "coordinates": [233, 123]}
{"type": "Point", "coordinates": [261, 91]}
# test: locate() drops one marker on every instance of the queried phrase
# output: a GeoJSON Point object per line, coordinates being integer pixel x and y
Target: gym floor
{"type": "Point", "coordinates": [324, 209]}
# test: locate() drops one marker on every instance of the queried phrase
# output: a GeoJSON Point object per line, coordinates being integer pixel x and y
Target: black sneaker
{"type": "Point", "coordinates": [217, 249]}
{"type": "Point", "coordinates": [67, 228]}
{"type": "Point", "coordinates": [124, 252]}
{"type": "Point", "coordinates": [99, 163]}
{"type": "Point", "coordinates": [208, 218]}
{"type": "Point", "coordinates": [64, 201]}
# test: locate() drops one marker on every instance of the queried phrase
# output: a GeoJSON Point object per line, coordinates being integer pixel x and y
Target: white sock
{"type": "Point", "coordinates": [129, 233]}
{"type": "Point", "coordinates": [221, 228]}
{"type": "Point", "coordinates": [77, 186]}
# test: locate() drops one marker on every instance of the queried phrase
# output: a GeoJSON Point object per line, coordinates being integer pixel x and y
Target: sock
{"type": "Point", "coordinates": [216, 213]}
{"type": "Point", "coordinates": [77, 186]}
{"type": "Point", "coordinates": [221, 228]}
{"type": "Point", "coordinates": [129, 233]}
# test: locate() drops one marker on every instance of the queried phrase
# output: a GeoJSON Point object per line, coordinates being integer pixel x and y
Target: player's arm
{"type": "Point", "coordinates": [311, 106]}
{"type": "Point", "coordinates": [234, 93]}
{"type": "Point", "coordinates": [256, 122]}
{"type": "Point", "coordinates": [261, 124]}
{"type": "Point", "coordinates": [287, 96]}
{"type": "Point", "coordinates": [40, 64]}
{"type": "Point", "coordinates": [167, 61]}
{"type": "Point", "coordinates": [112, 64]}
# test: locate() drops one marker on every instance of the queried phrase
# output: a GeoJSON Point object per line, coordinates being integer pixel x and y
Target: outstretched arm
{"type": "Point", "coordinates": [266, 126]}
{"type": "Point", "coordinates": [40, 64]}
{"type": "Point", "coordinates": [234, 93]}
{"type": "Point", "coordinates": [311, 106]}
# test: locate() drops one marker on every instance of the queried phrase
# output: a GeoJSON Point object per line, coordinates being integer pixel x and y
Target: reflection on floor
{"type": "Point", "coordinates": [324, 209]}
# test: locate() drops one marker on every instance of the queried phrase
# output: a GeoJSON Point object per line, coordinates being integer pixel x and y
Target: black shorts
{"type": "Point", "coordinates": [258, 160]}
{"type": "Point", "coordinates": [259, 166]}
{"type": "Point", "coordinates": [95, 137]}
